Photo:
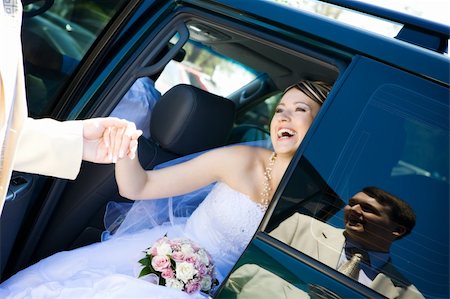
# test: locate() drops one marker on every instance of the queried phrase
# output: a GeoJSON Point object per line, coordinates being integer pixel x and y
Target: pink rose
{"type": "Point", "coordinates": [190, 259]}
{"type": "Point", "coordinates": [174, 246]}
{"type": "Point", "coordinates": [167, 273]}
{"type": "Point", "coordinates": [202, 270]}
{"type": "Point", "coordinates": [178, 256]}
{"type": "Point", "coordinates": [160, 262]}
{"type": "Point", "coordinates": [193, 286]}
{"type": "Point", "coordinates": [153, 251]}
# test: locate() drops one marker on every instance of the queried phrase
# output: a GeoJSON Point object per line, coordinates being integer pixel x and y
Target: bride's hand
{"type": "Point", "coordinates": [122, 141]}
{"type": "Point", "coordinates": [105, 140]}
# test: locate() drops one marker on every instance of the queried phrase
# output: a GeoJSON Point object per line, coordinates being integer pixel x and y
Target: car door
{"type": "Point", "coordinates": [390, 131]}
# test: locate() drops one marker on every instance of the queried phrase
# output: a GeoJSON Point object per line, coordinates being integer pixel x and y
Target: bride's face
{"type": "Point", "coordinates": [292, 119]}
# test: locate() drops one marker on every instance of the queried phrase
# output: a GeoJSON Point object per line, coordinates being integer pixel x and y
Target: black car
{"type": "Point", "coordinates": [385, 122]}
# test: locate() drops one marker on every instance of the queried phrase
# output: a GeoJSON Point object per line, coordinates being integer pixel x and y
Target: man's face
{"type": "Point", "coordinates": [368, 223]}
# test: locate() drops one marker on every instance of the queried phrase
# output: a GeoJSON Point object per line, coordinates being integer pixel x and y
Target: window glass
{"type": "Point", "coordinates": [199, 66]}
{"type": "Point", "coordinates": [265, 272]}
{"type": "Point", "coordinates": [54, 42]}
{"type": "Point", "coordinates": [398, 141]}
{"type": "Point", "coordinates": [254, 123]}
{"type": "Point", "coordinates": [205, 69]}
{"type": "Point", "coordinates": [261, 114]}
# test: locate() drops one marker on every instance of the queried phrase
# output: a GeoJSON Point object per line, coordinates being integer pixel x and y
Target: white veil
{"type": "Point", "coordinates": [129, 218]}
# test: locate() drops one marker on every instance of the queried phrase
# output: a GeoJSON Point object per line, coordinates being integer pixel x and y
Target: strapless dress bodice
{"type": "Point", "coordinates": [224, 224]}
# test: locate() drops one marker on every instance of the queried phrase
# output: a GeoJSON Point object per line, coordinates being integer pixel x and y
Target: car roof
{"type": "Point", "coordinates": [402, 53]}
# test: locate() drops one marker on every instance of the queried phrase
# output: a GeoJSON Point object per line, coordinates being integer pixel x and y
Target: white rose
{"type": "Point", "coordinates": [164, 249]}
{"type": "Point", "coordinates": [206, 283]}
{"type": "Point", "coordinates": [174, 284]}
{"type": "Point", "coordinates": [187, 249]}
{"type": "Point", "coordinates": [203, 257]}
{"type": "Point", "coordinates": [185, 271]}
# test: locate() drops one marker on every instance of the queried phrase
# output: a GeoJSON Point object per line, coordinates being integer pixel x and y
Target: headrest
{"type": "Point", "coordinates": [187, 119]}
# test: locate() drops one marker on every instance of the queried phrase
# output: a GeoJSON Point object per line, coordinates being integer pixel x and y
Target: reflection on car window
{"type": "Point", "coordinates": [55, 41]}
{"type": "Point", "coordinates": [374, 220]}
{"type": "Point", "coordinates": [399, 144]}
{"type": "Point", "coordinates": [265, 272]}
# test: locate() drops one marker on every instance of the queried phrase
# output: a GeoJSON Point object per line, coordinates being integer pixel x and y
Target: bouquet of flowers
{"type": "Point", "coordinates": [179, 264]}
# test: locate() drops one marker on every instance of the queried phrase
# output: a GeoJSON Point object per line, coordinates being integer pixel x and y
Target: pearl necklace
{"type": "Point", "coordinates": [265, 200]}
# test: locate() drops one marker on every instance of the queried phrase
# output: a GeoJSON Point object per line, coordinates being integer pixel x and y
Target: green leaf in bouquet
{"type": "Point", "coordinates": [145, 261]}
{"type": "Point", "coordinates": [173, 263]}
{"type": "Point", "coordinates": [145, 271]}
{"type": "Point", "coordinates": [162, 281]}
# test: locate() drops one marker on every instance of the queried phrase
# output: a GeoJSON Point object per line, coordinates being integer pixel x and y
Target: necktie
{"type": "Point", "coordinates": [351, 267]}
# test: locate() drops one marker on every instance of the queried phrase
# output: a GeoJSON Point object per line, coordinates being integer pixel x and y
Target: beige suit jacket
{"type": "Point", "coordinates": [324, 243]}
{"type": "Point", "coordinates": [42, 146]}
{"type": "Point", "coordinates": [251, 281]}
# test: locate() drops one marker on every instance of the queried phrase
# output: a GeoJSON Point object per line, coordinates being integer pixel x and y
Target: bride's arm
{"type": "Point", "coordinates": [215, 165]}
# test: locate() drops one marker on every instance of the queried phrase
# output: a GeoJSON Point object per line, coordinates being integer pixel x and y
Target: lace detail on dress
{"type": "Point", "coordinates": [224, 224]}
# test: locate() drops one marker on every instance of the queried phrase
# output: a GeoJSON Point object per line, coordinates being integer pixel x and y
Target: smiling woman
{"type": "Point", "coordinates": [294, 114]}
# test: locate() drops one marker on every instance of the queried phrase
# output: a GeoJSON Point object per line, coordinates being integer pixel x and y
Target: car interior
{"type": "Point", "coordinates": [182, 123]}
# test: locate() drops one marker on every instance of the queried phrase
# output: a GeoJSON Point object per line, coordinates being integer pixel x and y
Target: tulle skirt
{"type": "Point", "coordinates": [103, 270]}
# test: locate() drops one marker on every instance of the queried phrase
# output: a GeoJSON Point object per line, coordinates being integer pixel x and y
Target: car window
{"type": "Point", "coordinates": [254, 123]}
{"type": "Point", "coordinates": [260, 114]}
{"type": "Point", "coordinates": [204, 68]}
{"type": "Point", "coordinates": [208, 70]}
{"type": "Point", "coordinates": [265, 272]}
{"type": "Point", "coordinates": [396, 140]}
{"type": "Point", "coordinates": [55, 40]}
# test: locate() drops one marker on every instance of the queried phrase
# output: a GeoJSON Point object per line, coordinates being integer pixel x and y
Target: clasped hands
{"type": "Point", "coordinates": [105, 140]}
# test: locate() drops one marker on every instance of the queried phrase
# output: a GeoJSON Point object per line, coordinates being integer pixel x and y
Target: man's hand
{"type": "Point", "coordinates": [105, 140]}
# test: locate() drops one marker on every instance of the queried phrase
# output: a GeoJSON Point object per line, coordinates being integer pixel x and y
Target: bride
{"type": "Point", "coordinates": [223, 224]}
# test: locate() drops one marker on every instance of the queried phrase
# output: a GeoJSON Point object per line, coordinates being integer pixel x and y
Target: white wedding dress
{"type": "Point", "coordinates": [224, 223]}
